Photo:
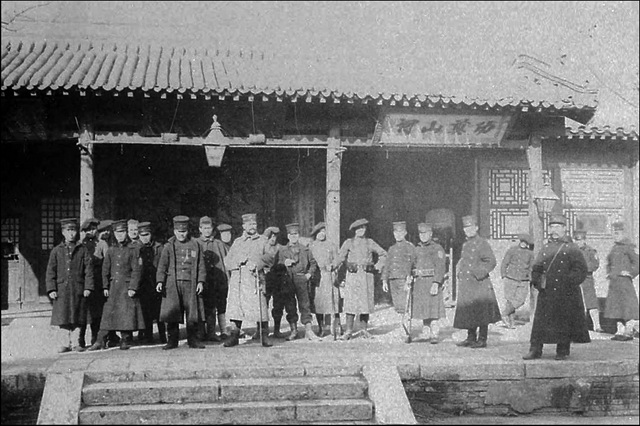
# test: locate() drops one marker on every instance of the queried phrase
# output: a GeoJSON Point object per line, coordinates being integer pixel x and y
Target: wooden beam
{"type": "Point", "coordinates": [334, 173]}
{"type": "Point", "coordinates": [534, 158]}
{"type": "Point", "coordinates": [87, 194]}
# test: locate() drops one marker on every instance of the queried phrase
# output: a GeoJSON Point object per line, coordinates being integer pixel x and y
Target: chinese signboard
{"type": "Point", "coordinates": [440, 129]}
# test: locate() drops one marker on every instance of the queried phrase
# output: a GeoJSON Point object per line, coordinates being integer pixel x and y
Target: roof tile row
{"type": "Point", "coordinates": [64, 64]}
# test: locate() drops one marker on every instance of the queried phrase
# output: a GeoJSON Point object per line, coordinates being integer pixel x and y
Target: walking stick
{"type": "Point", "coordinates": [407, 312]}
{"type": "Point", "coordinates": [259, 292]}
{"type": "Point", "coordinates": [333, 306]}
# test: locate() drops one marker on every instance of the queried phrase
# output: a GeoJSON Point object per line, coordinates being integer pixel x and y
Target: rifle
{"type": "Point", "coordinates": [407, 312]}
{"type": "Point", "coordinates": [259, 292]}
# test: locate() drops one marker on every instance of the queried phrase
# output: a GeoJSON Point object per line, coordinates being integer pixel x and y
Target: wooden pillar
{"type": "Point", "coordinates": [86, 173]}
{"type": "Point", "coordinates": [534, 157]}
{"type": "Point", "coordinates": [334, 164]}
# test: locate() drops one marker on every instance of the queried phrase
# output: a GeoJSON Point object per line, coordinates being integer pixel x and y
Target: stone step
{"type": "Point", "coordinates": [225, 390]}
{"type": "Point", "coordinates": [253, 412]}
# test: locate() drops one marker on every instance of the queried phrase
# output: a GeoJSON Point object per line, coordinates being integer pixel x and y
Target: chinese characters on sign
{"type": "Point", "coordinates": [438, 129]}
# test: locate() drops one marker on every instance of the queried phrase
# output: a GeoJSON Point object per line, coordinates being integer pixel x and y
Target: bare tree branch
{"type": "Point", "coordinates": [6, 25]}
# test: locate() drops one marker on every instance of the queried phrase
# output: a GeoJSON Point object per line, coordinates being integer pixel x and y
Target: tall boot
{"type": "Point", "coordinates": [276, 328]}
{"type": "Point", "coordinates": [95, 330]}
{"type": "Point", "coordinates": [173, 332]}
{"type": "Point", "coordinates": [338, 326]}
{"type": "Point", "coordinates": [162, 332]}
{"type": "Point", "coordinates": [264, 338]}
{"type": "Point", "coordinates": [193, 335]}
{"type": "Point", "coordinates": [308, 332]}
{"type": "Point", "coordinates": [535, 351]}
{"type": "Point", "coordinates": [222, 323]}
{"type": "Point", "coordinates": [81, 340]}
{"type": "Point", "coordinates": [481, 342]}
{"type": "Point", "coordinates": [349, 332]}
{"type": "Point", "coordinates": [321, 330]}
{"type": "Point", "coordinates": [101, 341]}
{"type": "Point", "coordinates": [126, 340]}
{"type": "Point", "coordinates": [210, 335]}
{"type": "Point", "coordinates": [294, 331]}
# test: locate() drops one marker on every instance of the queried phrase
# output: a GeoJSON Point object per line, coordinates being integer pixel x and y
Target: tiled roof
{"type": "Point", "coordinates": [48, 64]}
{"type": "Point", "coordinates": [584, 132]}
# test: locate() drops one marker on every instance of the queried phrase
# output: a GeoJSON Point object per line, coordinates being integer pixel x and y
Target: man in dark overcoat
{"type": "Point", "coordinates": [121, 271]}
{"type": "Point", "coordinates": [69, 281]}
{"type": "Point", "coordinates": [150, 299]}
{"type": "Point", "coordinates": [181, 278]}
{"type": "Point", "coordinates": [476, 306]}
{"type": "Point", "coordinates": [588, 287]}
{"type": "Point", "coordinates": [622, 301]}
{"type": "Point", "coordinates": [559, 317]}
{"type": "Point", "coordinates": [429, 269]}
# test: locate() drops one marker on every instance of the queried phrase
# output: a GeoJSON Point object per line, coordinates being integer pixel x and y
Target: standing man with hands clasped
{"type": "Point", "coordinates": [181, 278]}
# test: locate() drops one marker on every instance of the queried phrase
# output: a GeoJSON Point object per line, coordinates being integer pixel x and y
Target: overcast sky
{"type": "Point", "coordinates": [596, 42]}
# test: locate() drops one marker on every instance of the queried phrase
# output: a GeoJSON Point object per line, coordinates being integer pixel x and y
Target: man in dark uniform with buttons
{"type": "Point", "coordinates": [397, 272]}
{"type": "Point", "coordinates": [557, 273]}
{"type": "Point", "coordinates": [278, 283]}
{"type": "Point", "coordinates": [121, 282]}
{"type": "Point", "coordinates": [476, 306]}
{"type": "Point", "coordinates": [207, 245]}
{"type": "Point", "coordinates": [181, 278]}
{"type": "Point", "coordinates": [588, 286]}
{"type": "Point", "coordinates": [94, 303]}
{"type": "Point", "coordinates": [69, 282]}
{"type": "Point", "coordinates": [150, 299]}
{"type": "Point", "coordinates": [301, 266]}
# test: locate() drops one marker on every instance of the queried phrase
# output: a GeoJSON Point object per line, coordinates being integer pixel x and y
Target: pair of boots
{"type": "Point", "coordinates": [348, 334]}
{"type": "Point", "coordinates": [173, 336]}
{"type": "Point", "coordinates": [308, 332]}
{"type": "Point", "coordinates": [562, 351]}
{"type": "Point", "coordinates": [107, 339]}
{"type": "Point", "coordinates": [474, 340]}
{"type": "Point", "coordinates": [208, 328]}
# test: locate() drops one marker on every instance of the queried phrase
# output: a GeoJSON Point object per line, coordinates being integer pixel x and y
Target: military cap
{"type": "Point", "coordinates": [206, 220]}
{"type": "Point", "coordinates": [292, 227]}
{"type": "Point", "coordinates": [399, 226]}
{"type": "Point", "coordinates": [69, 223]}
{"type": "Point", "coordinates": [119, 225]}
{"type": "Point", "coordinates": [425, 227]}
{"type": "Point", "coordinates": [557, 218]}
{"type": "Point", "coordinates": [224, 227]}
{"type": "Point", "coordinates": [104, 225]}
{"type": "Point", "coordinates": [358, 223]}
{"type": "Point", "coordinates": [526, 238]}
{"type": "Point", "coordinates": [582, 233]}
{"type": "Point", "coordinates": [132, 222]}
{"type": "Point", "coordinates": [468, 221]}
{"type": "Point", "coordinates": [618, 226]}
{"type": "Point", "coordinates": [319, 226]}
{"type": "Point", "coordinates": [144, 228]}
{"type": "Point", "coordinates": [88, 223]}
{"type": "Point", "coordinates": [249, 217]}
{"type": "Point", "coordinates": [271, 230]}
{"type": "Point", "coordinates": [181, 223]}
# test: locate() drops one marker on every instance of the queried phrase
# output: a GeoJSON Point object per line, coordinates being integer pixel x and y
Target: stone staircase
{"type": "Point", "coordinates": [250, 395]}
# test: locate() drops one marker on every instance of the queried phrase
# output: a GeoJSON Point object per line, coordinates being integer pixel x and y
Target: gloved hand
{"type": "Point", "coordinates": [434, 288]}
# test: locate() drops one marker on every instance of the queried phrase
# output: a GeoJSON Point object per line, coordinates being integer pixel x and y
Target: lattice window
{"type": "Point", "coordinates": [509, 201]}
{"type": "Point", "coordinates": [11, 230]}
{"type": "Point", "coordinates": [52, 210]}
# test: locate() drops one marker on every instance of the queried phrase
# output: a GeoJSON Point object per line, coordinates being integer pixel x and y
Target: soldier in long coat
{"type": "Point", "coordinates": [622, 300]}
{"type": "Point", "coordinates": [247, 299]}
{"type": "Point", "coordinates": [121, 270]}
{"type": "Point", "coordinates": [150, 299]}
{"type": "Point", "coordinates": [515, 271]}
{"type": "Point", "coordinates": [325, 294]}
{"type": "Point", "coordinates": [207, 242]}
{"type": "Point", "coordinates": [358, 254]}
{"type": "Point", "coordinates": [95, 300]}
{"type": "Point", "coordinates": [476, 306]}
{"type": "Point", "coordinates": [397, 275]}
{"type": "Point", "coordinates": [429, 269]}
{"type": "Point", "coordinates": [559, 317]}
{"type": "Point", "coordinates": [69, 283]}
{"type": "Point", "coordinates": [301, 266]}
{"type": "Point", "coordinates": [181, 277]}
{"type": "Point", "coordinates": [589, 297]}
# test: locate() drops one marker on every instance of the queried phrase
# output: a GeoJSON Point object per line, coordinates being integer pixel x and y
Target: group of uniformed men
{"type": "Point", "coordinates": [117, 278]}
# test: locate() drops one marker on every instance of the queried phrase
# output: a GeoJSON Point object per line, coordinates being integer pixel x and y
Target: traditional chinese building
{"type": "Point", "coordinates": [125, 130]}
